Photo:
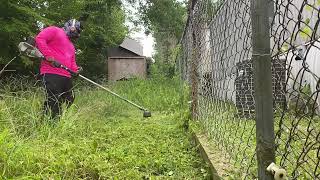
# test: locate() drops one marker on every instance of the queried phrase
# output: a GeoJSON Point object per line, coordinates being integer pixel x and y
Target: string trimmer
{"type": "Point", "coordinates": [31, 51]}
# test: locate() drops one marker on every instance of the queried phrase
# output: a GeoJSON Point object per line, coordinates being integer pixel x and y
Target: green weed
{"type": "Point", "coordinates": [99, 137]}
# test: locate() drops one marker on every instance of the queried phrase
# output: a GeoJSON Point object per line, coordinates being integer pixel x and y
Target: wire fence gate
{"type": "Point", "coordinates": [253, 67]}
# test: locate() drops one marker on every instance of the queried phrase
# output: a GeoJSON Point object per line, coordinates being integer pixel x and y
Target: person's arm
{"type": "Point", "coordinates": [74, 67]}
{"type": "Point", "coordinates": [42, 40]}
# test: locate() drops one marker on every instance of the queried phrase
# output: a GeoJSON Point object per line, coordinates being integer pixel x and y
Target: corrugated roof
{"type": "Point", "coordinates": [132, 46]}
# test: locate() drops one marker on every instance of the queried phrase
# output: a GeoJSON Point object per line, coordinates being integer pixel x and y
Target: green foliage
{"type": "Point", "coordinates": [17, 20]}
{"type": "Point", "coordinates": [308, 7]}
{"type": "Point", "coordinates": [213, 7]}
{"type": "Point", "coordinates": [103, 22]}
{"type": "Point", "coordinates": [166, 20]}
{"type": "Point", "coordinates": [306, 32]}
{"type": "Point", "coordinates": [302, 103]}
{"type": "Point", "coordinates": [164, 16]}
{"type": "Point", "coordinates": [104, 28]}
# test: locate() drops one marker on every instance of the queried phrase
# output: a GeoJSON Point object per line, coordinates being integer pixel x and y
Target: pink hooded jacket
{"type": "Point", "coordinates": [53, 42]}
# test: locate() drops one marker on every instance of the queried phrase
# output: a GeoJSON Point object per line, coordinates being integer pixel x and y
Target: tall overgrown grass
{"type": "Point", "coordinates": [99, 136]}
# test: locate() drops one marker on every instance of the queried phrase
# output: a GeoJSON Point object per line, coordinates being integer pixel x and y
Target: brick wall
{"type": "Point", "coordinates": [245, 90]}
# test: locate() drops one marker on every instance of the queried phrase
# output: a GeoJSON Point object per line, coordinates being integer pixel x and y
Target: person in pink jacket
{"type": "Point", "coordinates": [55, 44]}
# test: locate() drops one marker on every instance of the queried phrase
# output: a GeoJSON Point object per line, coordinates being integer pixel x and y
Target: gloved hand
{"type": "Point", "coordinates": [76, 74]}
{"type": "Point", "coordinates": [80, 69]}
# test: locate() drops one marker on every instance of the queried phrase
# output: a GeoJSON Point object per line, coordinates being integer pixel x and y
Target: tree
{"type": "Point", "coordinates": [18, 19]}
{"type": "Point", "coordinates": [166, 20]}
{"type": "Point", "coordinates": [103, 29]}
{"type": "Point", "coordinates": [104, 26]}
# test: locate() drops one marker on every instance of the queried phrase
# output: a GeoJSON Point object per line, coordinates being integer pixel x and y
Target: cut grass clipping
{"type": "Point", "coordinates": [99, 136]}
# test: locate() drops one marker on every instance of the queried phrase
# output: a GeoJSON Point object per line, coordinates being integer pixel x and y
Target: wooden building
{"type": "Point", "coordinates": [126, 61]}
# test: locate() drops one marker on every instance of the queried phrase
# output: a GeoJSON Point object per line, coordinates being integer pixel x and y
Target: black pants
{"type": "Point", "coordinates": [58, 91]}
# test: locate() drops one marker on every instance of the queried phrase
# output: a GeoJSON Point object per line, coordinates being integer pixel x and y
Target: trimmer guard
{"type": "Point", "coordinates": [29, 50]}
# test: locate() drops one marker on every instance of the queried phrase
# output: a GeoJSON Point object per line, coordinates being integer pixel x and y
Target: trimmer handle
{"type": "Point", "coordinates": [57, 64]}
{"type": "Point", "coordinates": [30, 50]}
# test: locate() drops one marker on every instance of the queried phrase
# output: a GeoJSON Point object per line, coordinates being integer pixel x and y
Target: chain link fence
{"type": "Point", "coordinates": [217, 60]}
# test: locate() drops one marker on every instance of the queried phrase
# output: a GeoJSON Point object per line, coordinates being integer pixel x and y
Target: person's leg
{"type": "Point", "coordinates": [52, 84]}
{"type": "Point", "coordinates": [68, 94]}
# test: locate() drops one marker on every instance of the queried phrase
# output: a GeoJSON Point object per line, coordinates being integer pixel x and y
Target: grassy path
{"type": "Point", "coordinates": [99, 137]}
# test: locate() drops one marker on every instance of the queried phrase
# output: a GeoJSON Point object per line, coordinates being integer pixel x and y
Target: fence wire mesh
{"type": "Point", "coordinates": [216, 60]}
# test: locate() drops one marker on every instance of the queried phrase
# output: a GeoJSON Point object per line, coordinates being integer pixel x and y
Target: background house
{"type": "Point", "coordinates": [126, 61]}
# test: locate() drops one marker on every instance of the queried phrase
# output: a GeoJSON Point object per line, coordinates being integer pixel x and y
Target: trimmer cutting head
{"type": "Point", "coordinates": [146, 114]}
{"type": "Point", "coordinates": [31, 51]}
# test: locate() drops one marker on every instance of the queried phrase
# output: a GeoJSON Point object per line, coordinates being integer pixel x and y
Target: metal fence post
{"type": "Point", "coordinates": [194, 75]}
{"type": "Point", "coordinates": [194, 64]}
{"type": "Point", "coordinates": [263, 86]}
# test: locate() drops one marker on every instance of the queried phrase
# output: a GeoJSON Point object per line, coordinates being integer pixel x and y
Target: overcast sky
{"type": "Point", "coordinates": [138, 34]}
{"type": "Point", "coordinates": [146, 41]}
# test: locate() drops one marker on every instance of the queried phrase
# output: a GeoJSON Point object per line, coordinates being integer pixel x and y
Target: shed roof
{"type": "Point", "coordinates": [133, 46]}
